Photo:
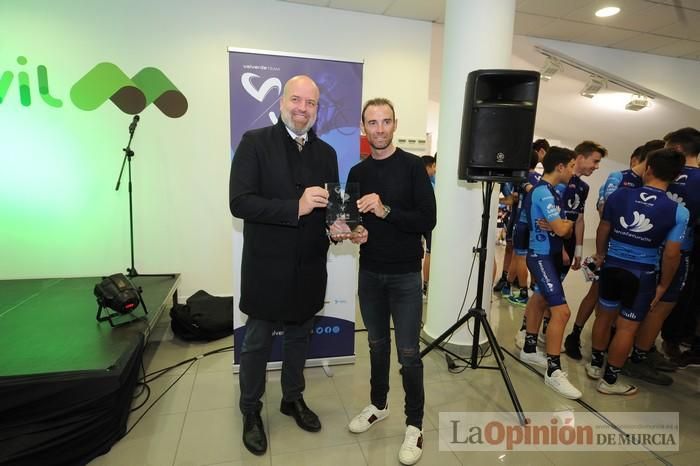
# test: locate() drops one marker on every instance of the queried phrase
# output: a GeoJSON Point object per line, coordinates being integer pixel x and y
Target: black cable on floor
{"type": "Point", "coordinates": [590, 409]}
{"type": "Point", "coordinates": [157, 399]}
{"type": "Point", "coordinates": [154, 375]}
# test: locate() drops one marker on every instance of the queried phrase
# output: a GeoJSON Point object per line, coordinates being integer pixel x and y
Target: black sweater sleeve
{"type": "Point", "coordinates": [421, 217]}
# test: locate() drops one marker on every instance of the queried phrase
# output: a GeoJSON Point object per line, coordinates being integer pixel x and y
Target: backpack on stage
{"type": "Point", "coordinates": [203, 318]}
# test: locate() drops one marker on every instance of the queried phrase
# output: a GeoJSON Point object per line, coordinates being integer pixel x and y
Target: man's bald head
{"type": "Point", "coordinates": [299, 104]}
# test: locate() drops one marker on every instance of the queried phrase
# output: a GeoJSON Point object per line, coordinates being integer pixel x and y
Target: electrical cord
{"type": "Point", "coordinates": [147, 378]}
{"type": "Point", "coordinates": [452, 367]}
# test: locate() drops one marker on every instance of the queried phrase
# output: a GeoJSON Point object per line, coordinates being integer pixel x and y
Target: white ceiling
{"type": "Point", "coordinates": [563, 114]}
{"type": "Point", "coordinates": [651, 26]}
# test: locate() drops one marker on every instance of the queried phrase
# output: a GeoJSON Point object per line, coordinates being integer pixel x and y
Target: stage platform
{"type": "Point", "coordinates": [66, 380]}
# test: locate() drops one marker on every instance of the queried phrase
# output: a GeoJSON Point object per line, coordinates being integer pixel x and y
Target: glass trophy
{"type": "Point", "coordinates": [341, 212]}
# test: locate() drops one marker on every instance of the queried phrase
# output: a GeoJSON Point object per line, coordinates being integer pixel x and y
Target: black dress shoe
{"type": "Point", "coordinates": [254, 433]}
{"type": "Point", "coordinates": [306, 419]}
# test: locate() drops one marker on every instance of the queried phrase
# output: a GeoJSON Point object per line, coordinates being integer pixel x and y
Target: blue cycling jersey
{"type": "Point", "coordinates": [686, 191]}
{"type": "Point", "coordinates": [641, 220]}
{"type": "Point", "coordinates": [574, 197]}
{"type": "Point", "coordinates": [507, 189]}
{"type": "Point", "coordinates": [543, 202]}
{"type": "Point", "coordinates": [622, 179]}
{"type": "Point", "coordinates": [532, 179]}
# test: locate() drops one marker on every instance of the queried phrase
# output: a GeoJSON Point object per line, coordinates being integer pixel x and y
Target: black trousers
{"type": "Point", "coordinates": [681, 322]}
{"type": "Point", "coordinates": [255, 353]}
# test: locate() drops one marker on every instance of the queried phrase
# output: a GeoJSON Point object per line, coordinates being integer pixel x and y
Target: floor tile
{"type": "Point", "coordinates": [214, 436]}
{"type": "Point", "coordinates": [385, 451]}
{"type": "Point", "coordinates": [153, 442]}
{"type": "Point", "coordinates": [335, 455]}
{"type": "Point", "coordinates": [213, 390]}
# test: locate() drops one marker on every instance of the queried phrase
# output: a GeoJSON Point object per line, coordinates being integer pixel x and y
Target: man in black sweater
{"type": "Point", "coordinates": [397, 205]}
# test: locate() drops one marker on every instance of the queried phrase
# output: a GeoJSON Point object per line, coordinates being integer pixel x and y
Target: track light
{"type": "Point", "coordinates": [550, 68]}
{"type": "Point", "coordinates": [594, 84]}
{"type": "Point", "coordinates": [637, 103]}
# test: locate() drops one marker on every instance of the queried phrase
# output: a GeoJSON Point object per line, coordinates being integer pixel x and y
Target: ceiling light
{"type": "Point", "coordinates": [637, 103]}
{"type": "Point", "coordinates": [550, 68]}
{"type": "Point", "coordinates": [607, 11]}
{"type": "Point", "coordinates": [594, 84]}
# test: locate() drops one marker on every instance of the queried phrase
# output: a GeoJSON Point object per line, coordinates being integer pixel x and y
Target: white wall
{"type": "Point", "coordinates": [676, 78]}
{"type": "Point", "coordinates": [181, 171]}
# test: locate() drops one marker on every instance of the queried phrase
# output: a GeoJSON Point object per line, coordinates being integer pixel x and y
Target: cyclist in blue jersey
{"type": "Point", "coordinates": [510, 274]}
{"type": "Point", "coordinates": [541, 146]}
{"type": "Point", "coordinates": [645, 362]}
{"type": "Point", "coordinates": [518, 268]}
{"type": "Point", "coordinates": [634, 225]}
{"type": "Point", "coordinates": [548, 227]}
{"type": "Point", "coordinates": [631, 178]}
{"type": "Point", "coordinates": [574, 195]}
{"type": "Point", "coordinates": [634, 158]}
{"type": "Point", "coordinates": [588, 157]}
{"type": "Point", "coordinates": [507, 191]}
{"type": "Point", "coordinates": [521, 242]}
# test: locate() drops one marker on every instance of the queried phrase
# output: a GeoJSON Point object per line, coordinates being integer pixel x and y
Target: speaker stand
{"type": "Point", "coordinates": [479, 315]}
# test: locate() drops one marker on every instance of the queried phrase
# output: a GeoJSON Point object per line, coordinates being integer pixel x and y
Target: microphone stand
{"type": "Point", "coordinates": [128, 155]}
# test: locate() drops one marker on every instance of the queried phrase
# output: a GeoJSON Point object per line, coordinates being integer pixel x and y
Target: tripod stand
{"type": "Point", "coordinates": [128, 155]}
{"type": "Point", "coordinates": [479, 314]}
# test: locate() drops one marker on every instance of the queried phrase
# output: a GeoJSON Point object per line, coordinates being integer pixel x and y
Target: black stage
{"type": "Point", "coordinates": [66, 380]}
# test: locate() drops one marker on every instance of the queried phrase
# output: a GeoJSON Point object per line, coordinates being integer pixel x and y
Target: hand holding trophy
{"type": "Point", "coordinates": [342, 216]}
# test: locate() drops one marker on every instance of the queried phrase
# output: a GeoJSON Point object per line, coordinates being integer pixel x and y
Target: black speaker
{"type": "Point", "coordinates": [498, 124]}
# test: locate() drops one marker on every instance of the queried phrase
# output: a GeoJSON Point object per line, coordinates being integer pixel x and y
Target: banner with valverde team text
{"type": "Point", "coordinates": [257, 78]}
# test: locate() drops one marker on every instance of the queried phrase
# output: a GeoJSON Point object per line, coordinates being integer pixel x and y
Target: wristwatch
{"type": "Point", "coordinates": [387, 211]}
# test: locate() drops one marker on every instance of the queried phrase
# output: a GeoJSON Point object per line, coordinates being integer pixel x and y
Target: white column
{"type": "Point", "coordinates": [478, 35]}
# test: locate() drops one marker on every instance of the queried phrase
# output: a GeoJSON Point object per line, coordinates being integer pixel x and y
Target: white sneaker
{"type": "Point", "coordinates": [617, 388]}
{"type": "Point", "coordinates": [561, 385]}
{"type": "Point", "coordinates": [535, 359]}
{"type": "Point", "coordinates": [594, 372]}
{"type": "Point", "coordinates": [542, 339]}
{"type": "Point", "coordinates": [367, 418]}
{"type": "Point", "coordinates": [520, 339]}
{"type": "Point", "coordinates": [412, 446]}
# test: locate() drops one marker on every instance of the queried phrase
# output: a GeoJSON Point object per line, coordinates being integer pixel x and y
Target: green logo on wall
{"type": "Point", "coordinates": [104, 82]}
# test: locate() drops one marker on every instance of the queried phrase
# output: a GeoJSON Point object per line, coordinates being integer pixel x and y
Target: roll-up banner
{"type": "Point", "coordinates": [256, 81]}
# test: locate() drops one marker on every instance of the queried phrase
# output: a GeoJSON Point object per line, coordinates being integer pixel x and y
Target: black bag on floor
{"type": "Point", "coordinates": [203, 318]}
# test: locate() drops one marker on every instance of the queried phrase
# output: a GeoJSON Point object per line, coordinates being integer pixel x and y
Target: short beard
{"type": "Point", "coordinates": [287, 120]}
{"type": "Point", "coordinates": [388, 143]}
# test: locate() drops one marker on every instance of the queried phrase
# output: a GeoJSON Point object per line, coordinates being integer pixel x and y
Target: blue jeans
{"type": "Point", "coordinates": [255, 353]}
{"type": "Point", "coordinates": [398, 296]}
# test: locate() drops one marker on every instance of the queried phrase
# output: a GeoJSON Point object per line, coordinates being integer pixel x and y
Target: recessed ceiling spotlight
{"type": "Point", "coordinates": [607, 11]}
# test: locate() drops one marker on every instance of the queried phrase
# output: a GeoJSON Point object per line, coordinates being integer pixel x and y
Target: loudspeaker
{"type": "Point", "coordinates": [498, 124]}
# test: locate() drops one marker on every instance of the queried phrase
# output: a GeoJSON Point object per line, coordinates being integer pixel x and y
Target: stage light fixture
{"type": "Point", "coordinates": [593, 86]}
{"type": "Point", "coordinates": [551, 66]}
{"type": "Point", "coordinates": [118, 293]}
{"type": "Point", "coordinates": [637, 103]}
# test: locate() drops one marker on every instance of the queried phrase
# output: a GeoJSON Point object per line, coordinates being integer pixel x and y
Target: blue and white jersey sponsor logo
{"type": "Point", "coordinates": [647, 197]}
{"type": "Point", "coordinates": [640, 223]}
{"type": "Point", "coordinates": [574, 202]}
{"type": "Point", "coordinates": [553, 209]}
{"type": "Point", "coordinates": [675, 197]}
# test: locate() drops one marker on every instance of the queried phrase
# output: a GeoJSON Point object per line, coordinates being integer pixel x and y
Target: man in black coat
{"type": "Point", "coordinates": [276, 187]}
